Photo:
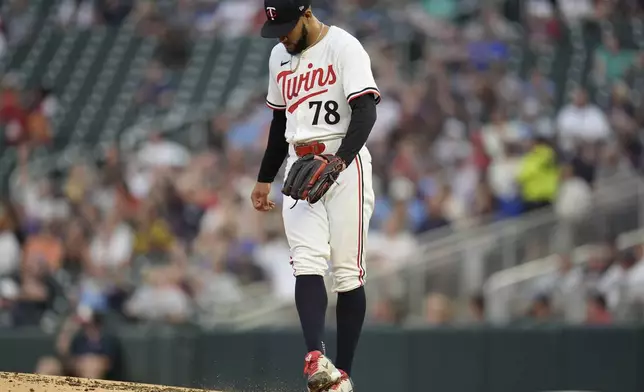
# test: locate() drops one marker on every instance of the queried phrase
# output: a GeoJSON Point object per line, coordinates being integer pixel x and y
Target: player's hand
{"type": "Point", "coordinates": [259, 197]}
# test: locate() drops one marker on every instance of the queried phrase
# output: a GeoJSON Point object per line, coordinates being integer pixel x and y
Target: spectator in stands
{"type": "Point", "coordinates": [161, 153]}
{"type": "Point", "coordinates": [581, 121]}
{"type": "Point", "coordinates": [435, 217]}
{"type": "Point", "coordinates": [576, 11]}
{"type": "Point", "coordinates": [215, 288]}
{"type": "Point", "coordinates": [542, 23]}
{"type": "Point", "coordinates": [149, 18]}
{"type": "Point", "coordinates": [633, 288]}
{"type": "Point", "coordinates": [42, 246]}
{"type": "Point", "coordinates": [76, 13]}
{"type": "Point", "coordinates": [76, 248]}
{"type": "Point", "coordinates": [13, 115]}
{"type": "Point", "coordinates": [10, 247]}
{"type": "Point", "coordinates": [597, 311]}
{"type": "Point", "coordinates": [502, 178]}
{"type": "Point", "coordinates": [79, 184]}
{"type": "Point", "coordinates": [272, 254]}
{"type": "Point", "coordinates": [110, 252]}
{"type": "Point", "coordinates": [538, 176]}
{"type": "Point", "coordinates": [41, 201]}
{"type": "Point", "coordinates": [113, 12]}
{"type": "Point", "coordinates": [152, 234]}
{"type": "Point", "coordinates": [160, 298]}
{"type": "Point", "coordinates": [613, 284]}
{"type": "Point", "coordinates": [84, 348]}
{"type": "Point", "coordinates": [155, 89]}
{"type": "Point", "coordinates": [541, 310]}
{"type": "Point", "coordinates": [574, 196]}
{"type": "Point", "coordinates": [174, 47]}
{"type": "Point", "coordinates": [392, 246]}
{"type": "Point", "coordinates": [42, 108]}
{"type": "Point", "coordinates": [36, 294]}
{"type": "Point", "coordinates": [234, 18]}
{"type": "Point", "coordinates": [611, 60]}
{"type": "Point", "coordinates": [19, 22]}
{"type": "Point", "coordinates": [477, 308]}
{"type": "Point", "coordinates": [438, 309]}
{"type": "Point", "coordinates": [386, 311]}
{"type": "Point", "coordinates": [540, 89]}
{"type": "Point", "coordinates": [635, 72]}
{"type": "Point", "coordinates": [500, 132]}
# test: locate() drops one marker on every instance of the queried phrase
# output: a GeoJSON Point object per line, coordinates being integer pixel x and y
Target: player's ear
{"type": "Point", "coordinates": [308, 14]}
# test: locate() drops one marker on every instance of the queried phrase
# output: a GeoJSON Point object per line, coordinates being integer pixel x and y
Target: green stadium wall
{"type": "Point", "coordinates": [525, 359]}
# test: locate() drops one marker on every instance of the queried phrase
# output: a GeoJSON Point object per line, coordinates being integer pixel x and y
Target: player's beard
{"type": "Point", "coordinates": [301, 43]}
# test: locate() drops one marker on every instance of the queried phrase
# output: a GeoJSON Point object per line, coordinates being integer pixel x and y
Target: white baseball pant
{"type": "Point", "coordinates": [333, 231]}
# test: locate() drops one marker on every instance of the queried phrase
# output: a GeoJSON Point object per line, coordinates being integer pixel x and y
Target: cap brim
{"type": "Point", "coordinates": [272, 30]}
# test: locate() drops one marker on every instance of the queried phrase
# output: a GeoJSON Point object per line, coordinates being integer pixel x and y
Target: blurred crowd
{"type": "Point", "coordinates": [165, 233]}
{"type": "Point", "coordinates": [605, 288]}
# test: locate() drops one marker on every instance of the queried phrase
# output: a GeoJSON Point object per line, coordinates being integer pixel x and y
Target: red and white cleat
{"type": "Point", "coordinates": [345, 384]}
{"type": "Point", "coordinates": [320, 371]}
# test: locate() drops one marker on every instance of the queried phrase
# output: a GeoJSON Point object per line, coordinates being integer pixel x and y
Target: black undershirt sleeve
{"type": "Point", "coordinates": [363, 117]}
{"type": "Point", "coordinates": [276, 149]}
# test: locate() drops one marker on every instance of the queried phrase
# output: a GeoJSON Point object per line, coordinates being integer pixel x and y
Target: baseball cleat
{"type": "Point", "coordinates": [345, 384]}
{"type": "Point", "coordinates": [320, 371]}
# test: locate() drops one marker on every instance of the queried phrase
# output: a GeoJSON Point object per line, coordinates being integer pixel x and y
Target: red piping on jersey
{"type": "Point", "coordinates": [360, 221]}
{"type": "Point", "coordinates": [295, 105]}
{"type": "Point", "coordinates": [365, 93]}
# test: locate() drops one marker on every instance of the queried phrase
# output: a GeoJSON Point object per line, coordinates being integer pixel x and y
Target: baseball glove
{"type": "Point", "coordinates": [311, 176]}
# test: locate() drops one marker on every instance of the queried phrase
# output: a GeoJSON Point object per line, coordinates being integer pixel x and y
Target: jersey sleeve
{"type": "Point", "coordinates": [357, 77]}
{"type": "Point", "coordinates": [274, 98]}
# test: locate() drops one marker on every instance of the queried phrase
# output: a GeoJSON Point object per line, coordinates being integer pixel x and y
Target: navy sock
{"type": "Point", "coordinates": [311, 302]}
{"type": "Point", "coordinates": [350, 314]}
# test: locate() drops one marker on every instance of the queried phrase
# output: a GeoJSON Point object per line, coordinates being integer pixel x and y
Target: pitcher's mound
{"type": "Point", "coordinates": [22, 382]}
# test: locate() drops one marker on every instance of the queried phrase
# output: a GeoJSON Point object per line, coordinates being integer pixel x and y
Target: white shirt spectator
{"type": "Point", "coordinates": [39, 205]}
{"type": "Point", "coordinates": [236, 16]}
{"type": "Point", "coordinates": [389, 113]}
{"type": "Point", "coordinates": [502, 174]}
{"type": "Point", "coordinates": [634, 281]}
{"type": "Point", "coordinates": [540, 8]}
{"type": "Point", "coordinates": [158, 303]}
{"type": "Point", "coordinates": [611, 284]}
{"type": "Point", "coordinates": [587, 123]}
{"type": "Point", "coordinates": [274, 257]}
{"type": "Point", "coordinates": [574, 199]}
{"type": "Point", "coordinates": [113, 250]}
{"type": "Point", "coordinates": [391, 249]}
{"type": "Point", "coordinates": [575, 11]}
{"type": "Point", "coordinates": [452, 145]}
{"type": "Point", "coordinates": [85, 15]}
{"type": "Point", "coordinates": [66, 12]}
{"type": "Point", "coordinates": [495, 136]}
{"type": "Point", "coordinates": [10, 253]}
{"type": "Point", "coordinates": [163, 153]}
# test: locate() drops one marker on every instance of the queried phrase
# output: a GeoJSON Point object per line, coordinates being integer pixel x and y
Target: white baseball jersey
{"type": "Point", "coordinates": [316, 93]}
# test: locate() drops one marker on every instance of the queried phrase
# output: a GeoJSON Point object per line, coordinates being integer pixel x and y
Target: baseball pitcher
{"type": "Point", "coordinates": [324, 98]}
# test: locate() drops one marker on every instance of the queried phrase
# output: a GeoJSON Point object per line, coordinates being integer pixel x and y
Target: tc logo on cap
{"type": "Point", "coordinates": [271, 13]}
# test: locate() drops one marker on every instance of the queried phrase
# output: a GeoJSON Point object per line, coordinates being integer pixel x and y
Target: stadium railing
{"type": "Point", "coordinates": [459, 264]}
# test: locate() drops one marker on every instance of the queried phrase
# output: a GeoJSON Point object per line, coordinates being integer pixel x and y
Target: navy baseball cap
{"type": "Point", "coordinates": [282, 16]}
